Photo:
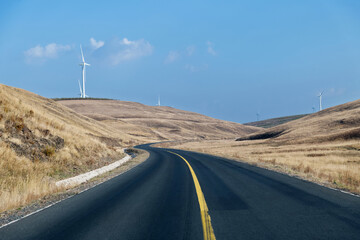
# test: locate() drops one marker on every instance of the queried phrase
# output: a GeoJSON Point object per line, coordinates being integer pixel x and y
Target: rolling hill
{"type": "Point", "coordinates": [156, 123]}
{"type": "Point", "coordinates": [340, 122]}
{"type": "Point", "coordinates": [272, 122]}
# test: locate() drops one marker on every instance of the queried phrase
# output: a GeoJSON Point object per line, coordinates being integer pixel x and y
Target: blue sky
{"type": "Point", "coordinates": [225, 59]}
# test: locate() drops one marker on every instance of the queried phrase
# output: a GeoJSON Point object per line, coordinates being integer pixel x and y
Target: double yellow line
{"type": "Point", "coordinates": [204, 211]}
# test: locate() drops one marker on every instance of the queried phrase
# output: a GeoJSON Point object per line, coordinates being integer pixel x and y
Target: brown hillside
{"type": "Point", "coordinates": [272, 122]}
{"type": "Point", "coordinates": [42, 141]}
{"type": "Point", "coordinates": [341, 122]}
{"type": "Point", "coordinates": [157, 123]}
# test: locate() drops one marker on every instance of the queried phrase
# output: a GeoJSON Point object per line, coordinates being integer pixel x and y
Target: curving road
{"type": "Point", "coordinates": [159, 200]}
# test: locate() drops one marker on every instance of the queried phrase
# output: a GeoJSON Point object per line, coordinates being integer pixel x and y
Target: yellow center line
{"type": "Point", "coordinates": [204, 211]}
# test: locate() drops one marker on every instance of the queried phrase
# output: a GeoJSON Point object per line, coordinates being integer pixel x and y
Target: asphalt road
{"type": "Point", "coordinates": [158, 200]}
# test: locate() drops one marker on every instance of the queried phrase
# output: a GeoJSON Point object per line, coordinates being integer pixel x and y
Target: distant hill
{"type": "Point", "coordinates": [156, 123]}
{"type": "Point", "coordinates": [341, 122]}
{"type": "Point", "coordinates": [272, 122]}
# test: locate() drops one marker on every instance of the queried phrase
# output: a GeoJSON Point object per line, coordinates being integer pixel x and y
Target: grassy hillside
{"type": "Point", "coordinates": [341, 122]}
{"type": "Point", "coordinates": [154, 123]}
{"type": "Point", "coordinates": [42, 141]}
{"type": "Point", "coordinates": [272, 122]}
{"type": "Point", "coordinates": [323, 147]}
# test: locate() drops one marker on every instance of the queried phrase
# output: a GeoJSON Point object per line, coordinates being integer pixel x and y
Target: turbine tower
{"type": "Point", "coordinates": [158, 104]}
{"type": "Point", "coordinates": [83, 65]}
{"type": "Point", "coordinates": [320, 99]}
{"type": "Point", "coordinates": [80, 88]}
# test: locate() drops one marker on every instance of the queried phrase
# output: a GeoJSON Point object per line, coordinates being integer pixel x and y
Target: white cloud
{"type": "Point", "coordinates": [190, 50]}
{"type": "Point", "coordinates": [190, 67]}
{"type": "Point", "coordinates": [172, 56]}
{"type": "Point", "coordinates": [127, 42]}
{"type": "Point", "coordinates": [193, 68]}
{"type": "Point", "coordinates": [96, 44]}
{"type": "Point", "coordinates": [175, 55]}
{"type": "Point", "coordinates": [49, 51]}
{"type": "Point", "coordinates": [125, 50]}
{"type": "Point", "coordinates": [334, 91]}
{"type": "Point", "coordinates": [210, 48]}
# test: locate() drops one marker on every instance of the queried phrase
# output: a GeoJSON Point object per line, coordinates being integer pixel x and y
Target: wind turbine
{"type": "Point", "coordinates": [158, 104]}
{"type": "Point", "coordinates": [320, 99]}
{"type": "Point", "coordinates": [80, 88]}
{"type": "Point", "coordinates": [83, 64]}
{"type": "Point", "coordinates": [257, 116]}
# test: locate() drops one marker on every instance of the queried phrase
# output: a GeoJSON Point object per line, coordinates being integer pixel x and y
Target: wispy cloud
{"type": "Point", "coordinates": [190, 50]}
{"type": "Point", "coordinates": [210, 48]}
{"type": "Point", "coordinates": [193, 68]}
{"type": "Point", "coordinates": [126, 50]}
{"type": "Point", "coordinates": [172, 56]}
{"type": "Point", "coordinates": [175, 55]}
{"type": "Point", "coordinates": [49, 51]}
{"type": "Point", "coordinates": [96, 44]}
{"type": "Point", "coordinates": [335, 91]}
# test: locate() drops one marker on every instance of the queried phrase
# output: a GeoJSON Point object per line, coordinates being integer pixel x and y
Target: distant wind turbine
{"type": "Point", "coordinates": [257, 116]}
{"type": "Point", "coordinates": [83, 64]}
{"type": "Point", "coordinates": [158, 104]}
{"type": "Point", "coordinates": [80, 88]}
{"type": "Point", "coordinates": [313, 108]}
{"type": "Point", "coordinates": [320, 100]}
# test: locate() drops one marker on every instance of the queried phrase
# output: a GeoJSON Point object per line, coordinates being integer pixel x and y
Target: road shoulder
{"type": "Point", "coordinates": [36, 206]}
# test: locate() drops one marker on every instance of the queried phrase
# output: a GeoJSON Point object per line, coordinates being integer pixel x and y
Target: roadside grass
{"type": "Point", "coordinates": [42, 141]}
{"type": "Point", "coordinates": [335, 164]}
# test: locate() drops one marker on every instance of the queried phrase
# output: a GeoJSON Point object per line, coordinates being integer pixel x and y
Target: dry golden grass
{"type": "Point", "coordinates": [151, 124]}
{"type": "Point", "coordinates": [339, 123]}
{"type": "Point", "coordinates": [28, 120]}
{"type": "Point", "coordinates": [335, 164]}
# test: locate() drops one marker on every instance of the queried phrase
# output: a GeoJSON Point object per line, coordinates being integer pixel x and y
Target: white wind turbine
{"type": "Point", "coordinates": [320, 100]}
{"type": "Point", "coordinates": [158, 104]}
{"type": "Point", "coordinates": [80, 88]}
{"type": "Point", "coordinates": [83, 64]}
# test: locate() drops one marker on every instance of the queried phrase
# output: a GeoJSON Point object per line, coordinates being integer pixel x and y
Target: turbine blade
{"type": "Point", "coordinates": [82, 55]}
{"type": "Point", "coordinates": [80, 87]}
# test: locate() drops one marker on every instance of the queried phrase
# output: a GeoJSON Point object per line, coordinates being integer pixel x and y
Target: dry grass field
{"type": "Point", "coordinates": [154, 123]}
{"type": "Point", "coordinates": [340, 123]}
{"type": "Point", "coordinates": [323, 147]}
{"type": "Point", "coordinates": [42, 141]}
